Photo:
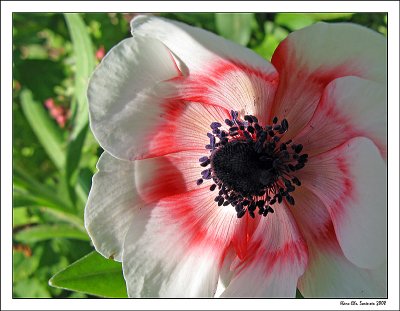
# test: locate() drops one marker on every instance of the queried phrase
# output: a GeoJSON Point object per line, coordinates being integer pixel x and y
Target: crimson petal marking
{"type": "Point", "coordinates": [326, 259]}
{"type": "Point", "coordinates": [168, 175]}
{"type": "Point", "coordinates": [184, 127]}
{"type": "Point", "coordinates": [349, 107]}
{"type": "Point", "coordinates": [311, 215]}
{"type": "Point", "coordinates": [231, 85]}
{"type": "Point", "coordinates": [123, 101]}
{"type": "Point", "coordinates": [350, 181]}
{"type": "Point", "coordinates": [308, 59]}
{"type": "Point", "coordinates": [177, 247]}
{"type": "Point", "coordinates": [219, 72]}
{"type": "Point", "coordinates": [277, 256]}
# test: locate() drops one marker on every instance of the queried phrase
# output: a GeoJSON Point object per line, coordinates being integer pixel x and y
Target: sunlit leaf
{"type": "Point", "coordinates": [31, 288]}
{"type": "Point", "coordinates": [21, 217]}
{"type": "Point", "coordinates": [85, 62]}
{"type": "Point", "coordinates": [49, 135]}
{"type": "Point", "coordinates": [294, 21]}
{"type": "Point", "coordinates": [273, 36]}
{"type": "Point", "coordinates": [47, 232]}
{"type": "Point", "coordinates": [92, 274]}
{"type": "Point", "coordinates": [235, 26]}
{"type": "Point", "coordinates": [329, 16]}
{"type": "Point", "coordinates": [27, 185]}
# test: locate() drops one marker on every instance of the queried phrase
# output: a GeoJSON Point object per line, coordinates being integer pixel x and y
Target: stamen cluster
{"type": "Point", "coordinates": [251, 166]}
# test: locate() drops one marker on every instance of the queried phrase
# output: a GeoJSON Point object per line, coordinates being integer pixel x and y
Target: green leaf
{"type": "Point", "coordinates": [329, 16]}
{"type": "Point", "coordinates": [74, 153]}
{"type": "Point", "coordinates": [21, 217]}
{"type": "Point", "coordinates": [47, 232]}
{"type": "Point", "coordinates": [298, 294]}
{"type": "Point", "coordinates": [83, 185]}
{"type": "Point", "coordinates": [27, 191]}
{"type": "Point", "coordinates": [92, 274]}
{"type": "Point", "coordinates": [293, 21]}
{"type": "Point", "coordinates": [28, 187]}
{"type": "Point", "coordinates": [274, 35]}
{"type": "Point", "coordinates": [85, 62]}
{"type": "Point", "coordinates": [235, 26]}
{"type": "Point", "coordinates": [26, 263]}
{"type": "Point", "coordinates": [31, 288]}
{"type": "Point", "coordinates": [49, 135]}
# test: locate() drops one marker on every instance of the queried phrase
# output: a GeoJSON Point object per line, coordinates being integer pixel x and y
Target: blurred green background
{"type": "Point", "coordinates": [54, 152]}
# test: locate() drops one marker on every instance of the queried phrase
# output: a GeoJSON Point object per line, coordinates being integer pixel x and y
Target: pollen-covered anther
{"type": "Point", "coordinates": [252, 165]}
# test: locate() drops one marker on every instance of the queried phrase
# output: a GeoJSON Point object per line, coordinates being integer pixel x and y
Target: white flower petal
{"type": "Point", "coordinates": [168, 175]}
{"type": "Point", "coordinates": [351, 181]}
{"type": "Point", "coordinates": [194, 46]}
{"type": "Point", "coordinates": [331, 275]}
{"type": "Point", "coordinates": [308, 59]}
{"type": "Point", "coordinates": [123, 104]}
{"type": "Point", "coordinates": [176, 248]}
{"type": "Point", "coordinates": [184, 127]}
{"type": "Point", "coordinates": [349, 107]}
{"type": "Point", "coordinates": [277, 257]}
{"type": "Point", "coordinates": [216, 71]}
{"type": "Point", "coordinates": [111, 205]}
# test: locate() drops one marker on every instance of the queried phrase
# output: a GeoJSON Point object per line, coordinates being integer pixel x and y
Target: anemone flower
{"type": "Point", "coordinates": [223, 170]}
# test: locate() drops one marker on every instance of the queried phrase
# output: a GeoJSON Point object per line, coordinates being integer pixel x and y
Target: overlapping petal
{"type": "Point", "coordinates": [329, 273]}
{"type": "Point", "coordinates": [349, 107]}
{"type": "Point", "coordinates": [111, 205]}
{"type": "Point", "coordinates": [215, 70]}
{"type": "Point", "coordinates": [176, 248]}
{"type": "Point", "coordinates": [351, 189]}
{"type": "Point", "coordinates": [124, 105]}
{"type": "Point", "coordinates": [277, 257]}
{"type": "Point", "coordinates": [308, 59]}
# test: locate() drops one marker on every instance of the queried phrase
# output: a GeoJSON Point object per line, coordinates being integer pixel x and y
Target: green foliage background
{"type": "Point", "coordinates": [53, 163]}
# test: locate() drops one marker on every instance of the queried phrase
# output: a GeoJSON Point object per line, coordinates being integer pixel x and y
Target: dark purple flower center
{"type": "Point", "coordinates": [251, 165]}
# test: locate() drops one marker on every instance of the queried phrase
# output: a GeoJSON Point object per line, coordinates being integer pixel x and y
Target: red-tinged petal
{"type": "Point", "coordinates": [168, 175]}
{"type": "Point", "coordinates": [277, 258]}
{"type": "Point", "coordinates": [176, 248]}
{"type": "Point", "coordinates": [349, 107]}
{"type": "Point", "coordinates": [351, 182]}
{"type": "Point", "coordinates": [330, 275]}
{"type": "Point", "coordinates": [111, 205]}
{"type": "Point", "coordinates": [123, 102]}
{"type": "Point", "coordinates": [326, 259]}
{"type": "Point", "coordinates": [308, 59]}
{"type": "Point", "coordinates": [231, 85]}
{"type": "Point", "coordinates": [184, 127]}
{"type": "Point", "coordinates": [196, 50]}
{"type": "Point", "coordinates": [215, 70]}
{"type": "Point", "coordinates": [311, 215]}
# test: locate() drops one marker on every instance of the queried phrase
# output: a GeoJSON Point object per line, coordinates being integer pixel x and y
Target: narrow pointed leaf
{"type": "Point", "coordinates": [47, 132]}
{"type": "Point", "coordinates": [48, 232]}
{"type": "Point", "coordinates": [92, 274]}
{"type": "Point", "coordinates": [85, 62]}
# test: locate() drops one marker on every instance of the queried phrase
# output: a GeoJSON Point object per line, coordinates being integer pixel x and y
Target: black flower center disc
{"type": "Point", "coordinates": [250, 165]}
{"type": "Point", "coordinates": [241, 168]}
